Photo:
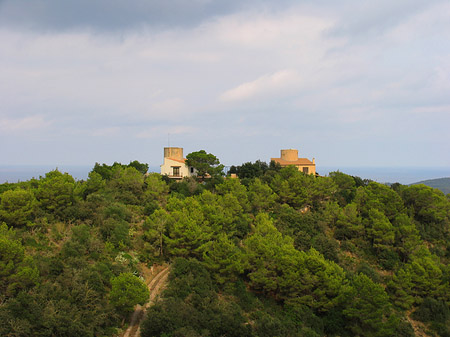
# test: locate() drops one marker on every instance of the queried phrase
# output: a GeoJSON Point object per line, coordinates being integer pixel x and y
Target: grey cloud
{"type": "Point", "coordinates": [117, 100]}
{"type": "Point", "coordinates": [356, 18]}
{"type": "Point", "coordinates": [362, 19]}
{"type": "Point", "coordinates": [113, 15]}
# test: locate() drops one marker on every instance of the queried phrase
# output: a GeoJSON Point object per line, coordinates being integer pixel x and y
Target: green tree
{"type": "Point", "coordinates": [302, 227]}
{"type": "Point", "coordinates": [436, 313]}
{"type": "Point", "coordinates": [224, 259]}
{"type": "Point", "coordinates": [349, 223]}
{"type": "Point", "coordinates": [187, 229]}
{"type": "Point", "coordinates": [278, 269]}
{"type": "Point", "coordinates": [56, 192]}
{"type": "Point", "coordinates": [327, 246]}
{"type": "Point", "coordinates": [11, 255]}
{"type": "Point", "coordinates": [379, 230]}
{"type": "Point", "coordinates": [407, 237]}
{"type": "Point", "coordinates": [156, 192]}
{"type": "Point", "coordinates": [223, 213]}
{"type": "Point", "coordinates": [261, 196]}
{"type": "Point", "coordinates": [264, 250]}
{"type": "Point", "coordinates": [235, 188]}
{"type": "Point", "coordinates": [321, 282]}
{"type": "Point", "coordinates": [205, 164]}
{"type": "Point", "coordinates": [346, 187]}
{"type": "Point", "coordinates": [321, 191]}
{"type": "Point", "coordinates": [367, 308]}
{"type": "Point", "coordinates": [17, 207]}
{"type": "Point", "coordinates": [93, 184]}
{"type": "Point", "coordinates": [107, 171]}
{"type": "Point", "coordinates": [418, 279]}
{"type": "Point", "coordinates": [157, 227]}
{"type": "Point", "coordinates": [66, 306]}
{"type": "Point", "coordinates": [17, 271]}
{"type": "Point", "coordinates": [127, 290]}
{"type": "Point", "coordinates": [81, 243]}
{"type": "Point", "coordinates": [291, 187]}
{"type": "Point", "coordinates": [191, 307]}
{"type": "Point", "coordinates": [380, 197]}
{"type": "Point", "coordinates": [141, 167]}
{"type": "Point", "coordinates": [127, 185]}
{"type": "Point", "coordinates": [431, 210]}
{"type": "Point", "coordinates": [250, 170]}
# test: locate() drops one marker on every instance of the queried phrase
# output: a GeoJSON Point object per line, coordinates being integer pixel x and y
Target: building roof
{"type": "Point", "coordinates": [299, 161]}
{"type": "Point", "coordinates": [183, 161]}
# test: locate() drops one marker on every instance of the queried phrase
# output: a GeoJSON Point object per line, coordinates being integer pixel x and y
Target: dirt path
{"type": "Point", "coordinates": [419, 327]}
{"type": "Point", "coordinates": [155, 286]}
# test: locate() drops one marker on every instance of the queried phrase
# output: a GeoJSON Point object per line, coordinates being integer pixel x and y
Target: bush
{"type": "Point", "coordinates": [367, 270]}
{"type": "Point", "coordinates": [432, 310]}
{"type": "Point", "coordinates": [127, 290]}
{"type": "Point", "coordinates": [388, 259]}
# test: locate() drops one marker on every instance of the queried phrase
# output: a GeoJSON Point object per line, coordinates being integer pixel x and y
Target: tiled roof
{"type": "Point", "coordinates": [299, 161]}
{"type": "Point", "coordinates": [178, 160]}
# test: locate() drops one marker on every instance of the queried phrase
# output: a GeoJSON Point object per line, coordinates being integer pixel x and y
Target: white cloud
{"type": "Point", "coordinates": [162, 132]}
{"type": "Point", "coordinates": [106, 132]}
{"type": "Point", "coordinates": [266, 85]}
{"type": "Point", "coordinates": [207, 82]}
{"type": "Point", "coordinates": [14, 125]}
{"type": "Point", "coordinates": [432, 109]}
{"type": "Point", "coordinates": [264, 29]}
{"type": "Point", "coordinates": [172, 107]}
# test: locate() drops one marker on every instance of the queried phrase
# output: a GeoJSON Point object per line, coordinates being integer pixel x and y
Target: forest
{"type": "Point", "coordinates": [274, 252]}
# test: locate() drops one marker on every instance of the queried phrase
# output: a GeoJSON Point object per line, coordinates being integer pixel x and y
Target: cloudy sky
{"type": "Point", "coordinates": [351, 83]}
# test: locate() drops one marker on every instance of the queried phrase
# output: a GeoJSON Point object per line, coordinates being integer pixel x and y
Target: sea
{"type": "Point", "coordinates": [402, 175]}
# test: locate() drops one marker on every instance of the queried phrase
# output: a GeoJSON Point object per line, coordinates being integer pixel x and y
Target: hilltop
{"type": "Point", "coordinates": [442, 184]}
{"type": "Point", "coordinates": [272, 252]}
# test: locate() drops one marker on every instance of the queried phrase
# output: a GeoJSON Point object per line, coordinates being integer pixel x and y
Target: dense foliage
{"type": "Point", "coordinates": [205, 164]}
{"type": "Point", "coordinates": [276, 253]}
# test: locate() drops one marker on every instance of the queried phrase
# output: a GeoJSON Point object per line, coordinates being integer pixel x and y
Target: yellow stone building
{"type": "Point", "coordinates": [174, 165]}
{"type": "Point", "coordinates": [290, 157]}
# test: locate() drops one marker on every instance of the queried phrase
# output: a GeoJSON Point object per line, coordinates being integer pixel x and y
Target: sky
{"type": "Point", "coordinates": [351, 83]}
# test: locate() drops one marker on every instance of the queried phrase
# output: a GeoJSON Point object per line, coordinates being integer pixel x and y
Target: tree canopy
{"type": "Point", "coordinates": [204, 164]}
{"type": "Point", "coordinates": [274, 252]}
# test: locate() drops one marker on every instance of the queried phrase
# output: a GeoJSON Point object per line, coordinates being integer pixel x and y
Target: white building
{"type": "Point", "coordinates": [174, 165]}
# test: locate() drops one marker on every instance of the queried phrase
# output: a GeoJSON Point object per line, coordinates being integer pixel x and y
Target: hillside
{"type": "Point", "coordinates": [274, 253]}
{"type": "Point", "coordinates": [442, 184]}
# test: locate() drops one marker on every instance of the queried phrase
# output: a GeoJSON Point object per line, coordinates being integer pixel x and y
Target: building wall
{"type": "Point", "coordinates": [289, 154]}
{"type": "Point", "coordinates": [311, 168]}
{"type": "Point", "coordinates": [174, 164]}
{"type": "Point", "coordinates": [169, 164]}
{"type": "Point", "coordinates": [290, 157]}
{"type": "Point", "coordinates": [173, 152]}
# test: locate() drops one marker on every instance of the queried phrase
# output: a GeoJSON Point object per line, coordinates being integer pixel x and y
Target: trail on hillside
{"type": "Point", "coordinates": [419, 327]}
{"type": "Point", "coordinates": [155, 287]}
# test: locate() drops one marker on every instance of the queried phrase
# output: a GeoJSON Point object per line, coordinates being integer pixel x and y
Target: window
{"type": "Point", "coordinates": [192, 170]}
{"type": "Point", "coordinates": [306, 170]}
{"type": "Point", "coordinates": [176, 171]}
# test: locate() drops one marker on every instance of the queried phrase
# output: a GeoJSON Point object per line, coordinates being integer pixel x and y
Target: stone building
{"type": "Point", "coordinates": [290, 157]}
{"type": "Point", "coordinates": [174, 165]}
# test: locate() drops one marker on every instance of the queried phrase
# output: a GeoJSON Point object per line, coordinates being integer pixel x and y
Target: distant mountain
{"type": "Point", "coordinates": [442, 184]}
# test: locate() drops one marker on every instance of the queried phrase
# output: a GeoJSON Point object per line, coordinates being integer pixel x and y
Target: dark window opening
{"type": "Point", "coordinates": [176, 171]}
